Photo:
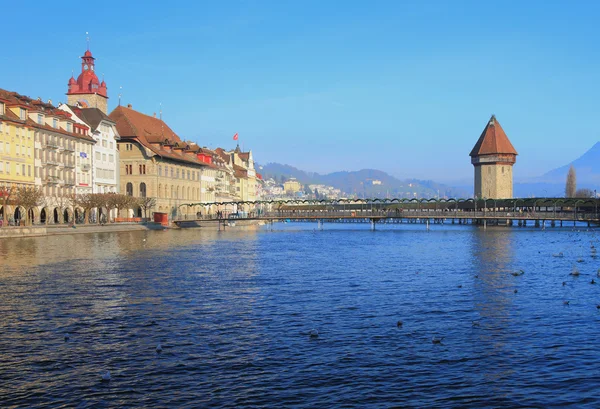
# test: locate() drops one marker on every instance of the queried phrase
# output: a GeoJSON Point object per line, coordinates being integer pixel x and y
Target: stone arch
{"type": "Point", "coordinates": [79, 215]}
{"type": "Point", "coordinates": [142, 189]}
{"type": "Point", "coordinates": [177, 194]}
{"type": "Point", "coordinates": [55, 216]}
{"type": "Point", "coordinates": [129, 189]}
{"type": "Point", "coordinates": [18, 214]}
{"type": "Point", "coordinates": [44, 216]}
{"type": "Point", "coordinates": [67, 215]}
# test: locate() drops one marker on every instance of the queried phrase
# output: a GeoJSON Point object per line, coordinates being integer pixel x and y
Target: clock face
{"type": "Point", "coordinates": [85, 67]}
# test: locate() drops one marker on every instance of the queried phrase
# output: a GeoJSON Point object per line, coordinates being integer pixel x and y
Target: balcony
{"type": "Point", "coordinates": [69, 165]}
{"type": "Point", "coordinates": [51, 145]}
{"type": "Point", "coordinates": [69, 149]}
{"type": "Point", "coordinates": [52, 180]}
{"type": "Point", "coordinates": [86, 167]}
{"type": "Point", "coordinates": [50, 162]}
{"type": "Point", "coordinates": [69, 183]}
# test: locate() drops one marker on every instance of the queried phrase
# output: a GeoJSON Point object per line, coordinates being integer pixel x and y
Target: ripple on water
{"type": "Point", "coordinates": [233, 312]}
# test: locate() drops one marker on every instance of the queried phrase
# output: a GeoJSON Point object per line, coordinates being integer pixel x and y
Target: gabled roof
{"type": "Point", "coordinates": [153, 134]}
{"type": "Point", "coordinates": [91, 116]}
{"type": "Point", "coordinates": [493, 141]}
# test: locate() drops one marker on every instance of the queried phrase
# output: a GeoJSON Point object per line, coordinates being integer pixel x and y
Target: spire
{"type": "Point", "coordinates": [493, 140]}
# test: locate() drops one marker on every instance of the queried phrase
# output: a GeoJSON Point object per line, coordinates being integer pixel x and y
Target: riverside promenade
{"type": "Point", "coordinates": [10, 232]}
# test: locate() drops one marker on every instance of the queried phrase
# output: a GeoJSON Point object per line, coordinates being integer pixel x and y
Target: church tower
{"type": "Point", "coordinates": [87, 91]}
{"type": "Point", "coordinates": [493, 157]}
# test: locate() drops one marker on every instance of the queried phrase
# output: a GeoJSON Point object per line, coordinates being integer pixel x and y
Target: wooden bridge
{"type": "Point", "coordinates": [505, 212]}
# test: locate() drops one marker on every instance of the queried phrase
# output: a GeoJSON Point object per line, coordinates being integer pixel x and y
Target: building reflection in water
{"type": "Point", "coordinates": [493, 260]}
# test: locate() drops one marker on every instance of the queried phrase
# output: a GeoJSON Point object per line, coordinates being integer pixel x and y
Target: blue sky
{"type": "Point", "coordinates": [401, 86]}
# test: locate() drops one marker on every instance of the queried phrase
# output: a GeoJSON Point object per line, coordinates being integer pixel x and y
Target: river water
{"type": "Point", "coordinates": [233, 312]}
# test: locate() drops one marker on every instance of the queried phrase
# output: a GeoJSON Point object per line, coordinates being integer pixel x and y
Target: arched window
{"type": "Point", "coordinates": [129, 189]}
{"type": "Point", "coordinates": [159, 190]}
{"type": "Point", "coordinates": [188, 193]}
{"type": "Point", "coordinates": [172, 191]}
{"type": "Point", "coordinates": [177, 194]}
{"type": "Point", "coordinates": [142, 189]}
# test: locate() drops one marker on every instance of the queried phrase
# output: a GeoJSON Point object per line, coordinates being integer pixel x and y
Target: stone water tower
{"type": "Point", "coordinates": [493, 158]}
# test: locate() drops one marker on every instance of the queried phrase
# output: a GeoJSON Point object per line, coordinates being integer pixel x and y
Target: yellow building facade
{"type": "Point", "coordinates": [17, 153]}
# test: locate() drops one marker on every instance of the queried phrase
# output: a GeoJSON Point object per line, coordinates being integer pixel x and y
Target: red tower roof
{"type": "Point", "coordinates": [493, 141]}
{"type": "Point", "coordinates": [87, 82]}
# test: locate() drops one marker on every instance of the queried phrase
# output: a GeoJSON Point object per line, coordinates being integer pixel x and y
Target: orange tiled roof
{"type": "Point", "coordinates": [154, 134]}
{"type": "Point", "coordinates": [12, 98]}
{"type": "Point", "coordinates": [493, 140]}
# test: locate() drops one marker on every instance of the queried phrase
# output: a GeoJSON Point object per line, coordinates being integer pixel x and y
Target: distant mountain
{"type": "Point", "coordinates": [552, 183]}
{"type": "Point", "coordinates": [365, 182]}
{"type": "Point", "coordinates": [587, 167]}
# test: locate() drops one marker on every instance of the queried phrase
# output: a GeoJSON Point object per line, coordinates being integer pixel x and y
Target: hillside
{"type": "Point", "coordinates": [587, 167]}
{"type": "Point", "coordinates": [365, 182]}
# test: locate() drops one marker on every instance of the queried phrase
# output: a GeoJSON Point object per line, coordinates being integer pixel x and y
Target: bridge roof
{"type": "Point", "coordinates": [493, 140]}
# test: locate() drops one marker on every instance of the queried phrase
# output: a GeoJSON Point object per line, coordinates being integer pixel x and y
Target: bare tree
{"type": "Point", "coordinates": [6, 195]}
{"type": "Point", "coordinates": [85, 201]}
{"type": "Point", "coordinates": [29, 197]}
{"type": "Point", "coordinates": [119, 201]}
{"type": "Point", "coordinates": [571, 187]}
{"type": "Point", "coordinates": [584, 193]}
{"type": "Point", "coordinates": [146, 203]}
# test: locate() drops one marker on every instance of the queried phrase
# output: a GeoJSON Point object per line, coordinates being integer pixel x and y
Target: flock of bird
{"type": "Point", "coordinates": [313, 333]}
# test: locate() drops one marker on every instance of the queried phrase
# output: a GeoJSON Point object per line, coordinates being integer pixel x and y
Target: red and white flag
{"type": "Point", "coordinates": [235, 137]}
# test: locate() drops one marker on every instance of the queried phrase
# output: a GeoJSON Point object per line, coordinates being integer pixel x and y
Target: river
{"type": "Point", "coordinates": [234, 311]}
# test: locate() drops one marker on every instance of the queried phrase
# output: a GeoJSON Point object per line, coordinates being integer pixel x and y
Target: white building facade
{"type": "Point", "coordinates": [98, 168]}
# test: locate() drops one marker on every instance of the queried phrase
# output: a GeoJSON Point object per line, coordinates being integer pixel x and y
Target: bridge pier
{"type": "Point", "coordinates": [484, 224]}
{"type": "Point", "coordinates": [372, 224]}
{"type": "Point", "coordinates": [537, 223]}
{"type": "Point", "coordinates": [553, 223]}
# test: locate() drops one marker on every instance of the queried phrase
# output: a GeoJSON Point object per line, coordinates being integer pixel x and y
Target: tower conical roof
{"type": "Point", "coordinates": [493, 141]}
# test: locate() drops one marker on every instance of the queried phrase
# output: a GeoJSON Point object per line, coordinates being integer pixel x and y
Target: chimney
{"type": "Point", "coordinates": [129, 106]}
{"type": "Point", "coordinates": [50, 101]}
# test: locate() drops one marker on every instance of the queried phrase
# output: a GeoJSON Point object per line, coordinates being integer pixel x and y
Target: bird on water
{"type": "Point", "coordinates": [159, 348]}
{"type": "Point", "coordinates": [399, 324]}
{"type": "Point", "coordinates": [436, 340]}
{"type": "Point", "coordinates": [106, 376]}
{"type": "Point", "coordinates": [313, 333]}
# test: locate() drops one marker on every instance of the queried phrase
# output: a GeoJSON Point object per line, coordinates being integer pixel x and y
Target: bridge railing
{"type": "Point", "coordinates": [401, 213]}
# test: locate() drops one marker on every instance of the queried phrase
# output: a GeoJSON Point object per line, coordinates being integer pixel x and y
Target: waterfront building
{"type": "Point", "coordinates": [87, 91]}
{"type": "Point", "coordinates": [493, 157]}
{"type": "Point", "coordinates": [98, 170]}
{"type": "Point", "coordinates": [244, 172]}
{"type": "Point", "coordinates": [17, 156]}
{"type": "Point", "coordinates": [44, 142]}
{"type": "Point", "coordinates": [156, 162]}
{"type": "Point", "coordinates": [292, 186]}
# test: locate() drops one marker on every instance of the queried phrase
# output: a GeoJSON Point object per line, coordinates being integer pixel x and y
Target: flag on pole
{"type": "Point", "coordinates": [235, 137]}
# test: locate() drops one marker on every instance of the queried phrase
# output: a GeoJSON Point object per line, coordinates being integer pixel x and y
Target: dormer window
{"type": "Point", "coordinates": [55, 123]}
{"type": "Point", "coordinates": [69, 127]}
{"type": "Point", "coordinates": [1, 108]}
{"type": "Point", "coordinates": [23, 114]}
{"type": "Point", "coordinates": [40, 119]}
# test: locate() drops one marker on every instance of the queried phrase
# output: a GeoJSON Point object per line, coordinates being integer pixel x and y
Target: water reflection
{"type": "Point", "coordinates": [233, 310]}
